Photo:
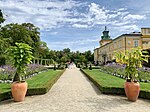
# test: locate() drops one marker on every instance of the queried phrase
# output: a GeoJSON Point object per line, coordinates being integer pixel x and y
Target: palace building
{"type": "Point", "coordinates": [124, 42]}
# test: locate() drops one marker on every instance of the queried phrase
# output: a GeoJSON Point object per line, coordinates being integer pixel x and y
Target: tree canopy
{"type": "Point", "coordinates": [22, 33]}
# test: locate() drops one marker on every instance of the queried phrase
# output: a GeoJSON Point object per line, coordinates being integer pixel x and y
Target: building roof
{"type": "Point", "coordinates": [145, 28]}
{"type": "Point", "coordinates": [130, 34]}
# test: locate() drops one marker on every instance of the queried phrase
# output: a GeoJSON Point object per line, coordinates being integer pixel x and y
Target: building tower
{"type": "Point", "coordinates": [105, 38]}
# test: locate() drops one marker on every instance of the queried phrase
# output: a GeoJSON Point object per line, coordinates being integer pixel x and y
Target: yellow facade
{"type": "Point", "coordinates": [124, 42]}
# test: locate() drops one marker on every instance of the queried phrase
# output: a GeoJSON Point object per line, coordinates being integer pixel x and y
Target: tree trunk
{"type": "Point", "coordinates": [17, 77]}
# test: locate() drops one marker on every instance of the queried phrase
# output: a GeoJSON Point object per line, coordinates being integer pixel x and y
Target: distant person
{"type": "Point", "coordinates": [68, 65]}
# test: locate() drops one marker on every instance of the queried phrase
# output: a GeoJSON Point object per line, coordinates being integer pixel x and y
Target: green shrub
{"type": "Point", "coordinates": [90, 68]}
{"type": "Point", "coordinates": [2, 61]}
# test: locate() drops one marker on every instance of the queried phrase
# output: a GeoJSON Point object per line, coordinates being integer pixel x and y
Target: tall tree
{"type": "Point", "coordinates": [34, 35]}
{"type": "Point", "coordinates": [16, 33]}
{"type": "Point", "coordinates": [1, 17]}
{"type": "Point", "coordinates": [43, 50]}
{"type": "Point", "coordinates": [3, 42]}
{"type": "Point", "coordinates": [25, 33]}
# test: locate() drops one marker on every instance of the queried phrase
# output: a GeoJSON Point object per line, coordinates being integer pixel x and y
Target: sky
{"type": "Point", "coordinates": [78, 24]}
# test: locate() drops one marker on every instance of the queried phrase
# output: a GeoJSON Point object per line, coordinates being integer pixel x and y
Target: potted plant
{"type": "Point", "coordinates": [132, 60]}
{"type": "Point", "coordinates": [21, 55]}
{"type": "Point", "coordinates": [90, 68]}
{"type": "Point", "coordinates": [54, 65]}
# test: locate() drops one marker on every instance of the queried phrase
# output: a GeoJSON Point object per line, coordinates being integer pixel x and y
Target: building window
{"type": "Point", "coordinates": [115, 45]}
{"type": "Point", "coordinates": [136, 43]}
{"type": "Point", "coordinates": [144, 31]}
{"type": "Point", "coordinates": [148, 30]}
{"type": "Point", "coordinates": [129, 42]}
{"type": "Point", "coordinates": [145, 42]}
{"type": "Point", "coordinates": [120, 44]}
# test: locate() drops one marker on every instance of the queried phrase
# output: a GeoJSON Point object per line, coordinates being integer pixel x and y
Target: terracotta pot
{"type": "Point", "coordinates": [132, 90]}
{"type": "Point", "coordinates": [19, 90]}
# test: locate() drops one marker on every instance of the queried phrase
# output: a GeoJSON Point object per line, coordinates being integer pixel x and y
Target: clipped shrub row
{"type": "Point", "coordinates": [114, 90]}
{"type": "Point", "coordinates": [45, 88]}
{"type": "Point", "coordinates": [105, 90]}
{"type": "Point", "coordinates": [34, 90]}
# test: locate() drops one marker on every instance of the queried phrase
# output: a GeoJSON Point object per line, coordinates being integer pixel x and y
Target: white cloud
{"type": "Point", "coordinates": [80, 26]}
{"type": "Point", "coordinates": [55, 14]}
{"type": "Point", "coordinates": [122, 9]}
{"type": "Point", "coordinates": [127, 28]}
{"type": "Point", "coordinates": [134, 17]}
{"type": "Point", "coordinates": [45, 14]}
{"type": "Point", "coordinates": [96, 12]}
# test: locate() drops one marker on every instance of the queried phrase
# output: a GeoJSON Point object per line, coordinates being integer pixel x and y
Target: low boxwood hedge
{"type": "Point", "coordinates": [114, 90]}
{"type": "Point", "coordinates": [41, 89]}
{"type": "Point", "coordinates": [105, 89]}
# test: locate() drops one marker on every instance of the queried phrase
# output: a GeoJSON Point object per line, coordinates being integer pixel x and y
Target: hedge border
{"type": "Point", "coordinates": [114, 90]}
{"type": "Point", "coordinates": [34, 91]}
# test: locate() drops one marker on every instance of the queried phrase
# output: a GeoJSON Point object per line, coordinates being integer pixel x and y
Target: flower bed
{"type": "Point", "coordinates": [7, 72]}
{"type": "Point", "coordinates": [119, 71]}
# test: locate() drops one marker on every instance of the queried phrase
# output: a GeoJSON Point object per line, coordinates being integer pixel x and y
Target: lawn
{"type": "Point", "coordinates": [38, 84]}
{"type": "Point", "coordinates": [112, 84]}
{"type": "Point", "coordinates": [43, 78]}
{"type": "Point", "coordinates": [104, 79]}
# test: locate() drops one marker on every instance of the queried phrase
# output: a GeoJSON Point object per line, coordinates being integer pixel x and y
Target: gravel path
{"type": "Point", "coordinates": [73, 92]}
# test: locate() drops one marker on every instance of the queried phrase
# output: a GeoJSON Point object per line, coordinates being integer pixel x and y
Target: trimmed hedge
{"type": "Point", "coordinates": [115, 90]}
{"type": "Point", "coordinates": [105, 90]}
{"type": "Point", "coordinates": [34, 90]}
{"type": "Point", "coordinates": [5, 95]}
{"type": "Point", "coordinates": [44, 89]}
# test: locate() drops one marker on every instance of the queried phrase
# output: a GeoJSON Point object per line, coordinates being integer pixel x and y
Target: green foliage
{"type": "Point", "coordinates": [54, 66]}
{"type": "Point", "coordinates": [16, 33]}
{"type": "Point", "coordinates": [133, 60]}
{"type": "Point", "coordinates": [2, 61]}
{"type": "Point", "coordinates": [61, 57]}
{"type": "Point", "coordinates": [21, 55]}
{"type": "Point", "coordinates": [43, 50]}
{"type": "Point", "coordinates": [34, 34]}
{"type": "Point", "coordinates": [90, 68]}
{"type": "Point", "coordinates": [21, 33]}
{"type": "Point", "coordinates": [1, 17]}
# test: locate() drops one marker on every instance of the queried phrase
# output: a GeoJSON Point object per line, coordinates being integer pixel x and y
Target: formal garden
{"type": "Point", "coordinates": [21, 46]}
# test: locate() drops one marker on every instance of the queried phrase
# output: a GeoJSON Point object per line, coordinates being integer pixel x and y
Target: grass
{"type": "Point", "coordinates": [4, 88]}
{"type": "Point", "coordinates": [42, 79]}
{"type": "Point", "coordinates": [38, 84]}
{"type": "Point", "coordinates": [104, 79]}
{"type": "Point", "coordinates": [113, 85]}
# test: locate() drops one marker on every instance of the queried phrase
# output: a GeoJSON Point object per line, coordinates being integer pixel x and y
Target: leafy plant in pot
{"type": "Point", "coordinates": [132, 59]}
{"type": "Point", "coordinates": [21, 55]}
